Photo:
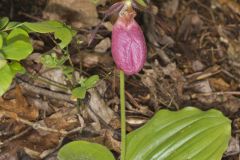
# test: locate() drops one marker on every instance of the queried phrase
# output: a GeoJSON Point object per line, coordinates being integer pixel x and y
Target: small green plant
{"type": "Point", "coordinates": [15, 45]}
{"type": "Point", "coordinates": [85, 84]}
{"type": "Point", "coordinates": [170, 135]}
{"type": "Point", "coordinates": [186, 134]}
{"type": "Point", "coordinates": [53, 62]}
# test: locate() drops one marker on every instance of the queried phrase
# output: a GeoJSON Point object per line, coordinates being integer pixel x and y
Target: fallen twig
{"type": "Point", "coordinates": [216, 93]}
{"type": "Point", "coordinates": [34, 125]}
{"type": "Point", "coordinates": [16, 136]}
{"type": "Point", "coordinates": [45, 92]}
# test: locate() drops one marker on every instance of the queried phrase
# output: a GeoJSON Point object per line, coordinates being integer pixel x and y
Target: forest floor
{"type": "Point", "coordinates": [193, 60]}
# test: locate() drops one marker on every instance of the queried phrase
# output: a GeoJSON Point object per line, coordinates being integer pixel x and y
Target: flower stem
{"type": "Point", "coordinates": [123, 116]}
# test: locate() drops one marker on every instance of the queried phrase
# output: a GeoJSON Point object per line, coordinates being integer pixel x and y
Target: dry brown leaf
{"type": "Point", "coordinates": [234, 146]}
{"type": "Point", "coordinates": [232, 104]}
{"type": "Point", "coordinates": [136, 121]}
{"type": "Point", "coordinates": [20, 106]}
{"type": "Point", "coordinates": [201, 87]}
{"type": "Point", "coordinates": [172, 71]}
{"type": "Point", "coordinates": [110, 142]}
{"type": "Point", "coordinates": [38, 142]}
{"type": "Point", "coordinates": [219, 84]}
{"type": "Point", "coordinates": [99, 107]}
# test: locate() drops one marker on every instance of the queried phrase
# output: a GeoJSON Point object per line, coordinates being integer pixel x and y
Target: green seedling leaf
{"type": "Point", "coordinates": [16, 67]}
{"type": "Point", "coordinates": [49, 61]}
{"type": "Point", "coordinates": [52, 61]}
{"type": "Point", "coordinates": [18, 45]}
{"type": "Point", "coordinates": [3, 22]}
{"type": "Point", "coordinates": [67, 71]}
{"type": "Point", "coordinates": [79, 92]}
{"type": "Point", "coordinates": [82, 150]}
{"type": "Point", "coordinates": [5, 79]}
{"type": "Point", "coordinates": [186, 134]}
{"type": "Point", "coordinates": [91, 81]}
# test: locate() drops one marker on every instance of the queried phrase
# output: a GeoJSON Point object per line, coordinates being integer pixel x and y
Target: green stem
{"type": "Point", "coordinates": [123, 116]}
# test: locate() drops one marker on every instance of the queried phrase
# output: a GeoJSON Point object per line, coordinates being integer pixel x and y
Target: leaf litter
{"type": "Point", "coordinates": [193, 60]}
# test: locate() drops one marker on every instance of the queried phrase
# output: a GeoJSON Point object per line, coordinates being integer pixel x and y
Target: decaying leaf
{"type": "Point", "coordinates": [20, 106]}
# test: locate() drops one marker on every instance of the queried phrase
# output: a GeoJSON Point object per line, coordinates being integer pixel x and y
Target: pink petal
{"type": "Point", "coordinates": [128, 46]}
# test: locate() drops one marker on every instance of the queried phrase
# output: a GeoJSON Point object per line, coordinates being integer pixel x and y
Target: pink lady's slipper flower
{"type": "Point", "coordinates": [128, 42]}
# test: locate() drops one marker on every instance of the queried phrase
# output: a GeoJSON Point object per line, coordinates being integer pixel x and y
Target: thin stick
{"type": "Point", "coordinates": [45, 92]}
{"type": "Point", "coordinates": [17, 136]}
{"type": "Point", "coordinates": [123, 116]}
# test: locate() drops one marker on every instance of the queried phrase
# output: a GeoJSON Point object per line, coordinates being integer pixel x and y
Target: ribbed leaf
{"type": "Point", "coordinates": [189, 134]}
{"type": "Point", "coordinates": [82, 150]}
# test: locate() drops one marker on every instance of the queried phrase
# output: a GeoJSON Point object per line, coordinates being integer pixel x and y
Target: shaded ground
{"type": "Point", "coordinates": [193, 59]}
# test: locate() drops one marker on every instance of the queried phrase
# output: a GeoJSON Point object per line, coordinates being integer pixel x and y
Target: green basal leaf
{"type": "Point", "coordinates": [18, 50]}
{"type": "Point", "coordinates": [82, 150]}
{"type": "Point", "coordinates": [18, 45]}
{"type": "Point", "coordinates": [4, 38]}
{"type": "Point", "coordinates": [43, 27]}
{"type": "Point", "coordinates": [187, 134]}
{"type": "Point", "coordinates": [12, 25]}
{"type": "Point", "coordinates": [91, 81]}
{"type": "Point", "coordinates": [5, 79]}
{"type": "Point", "coordinates": [16, 67]}
{"type": "Point", "coordinates": [3, 22]}
{"type": "Point", "coordinates": [3, 62]}
{"type": "Point", "coordinates": [61, 31]}
{"type": "Point", "coordinates": [16, 35]}
{"type": "Point", "coordinates": [79, 92]}
{"type": "Point", "coordinates": [65, 35]}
